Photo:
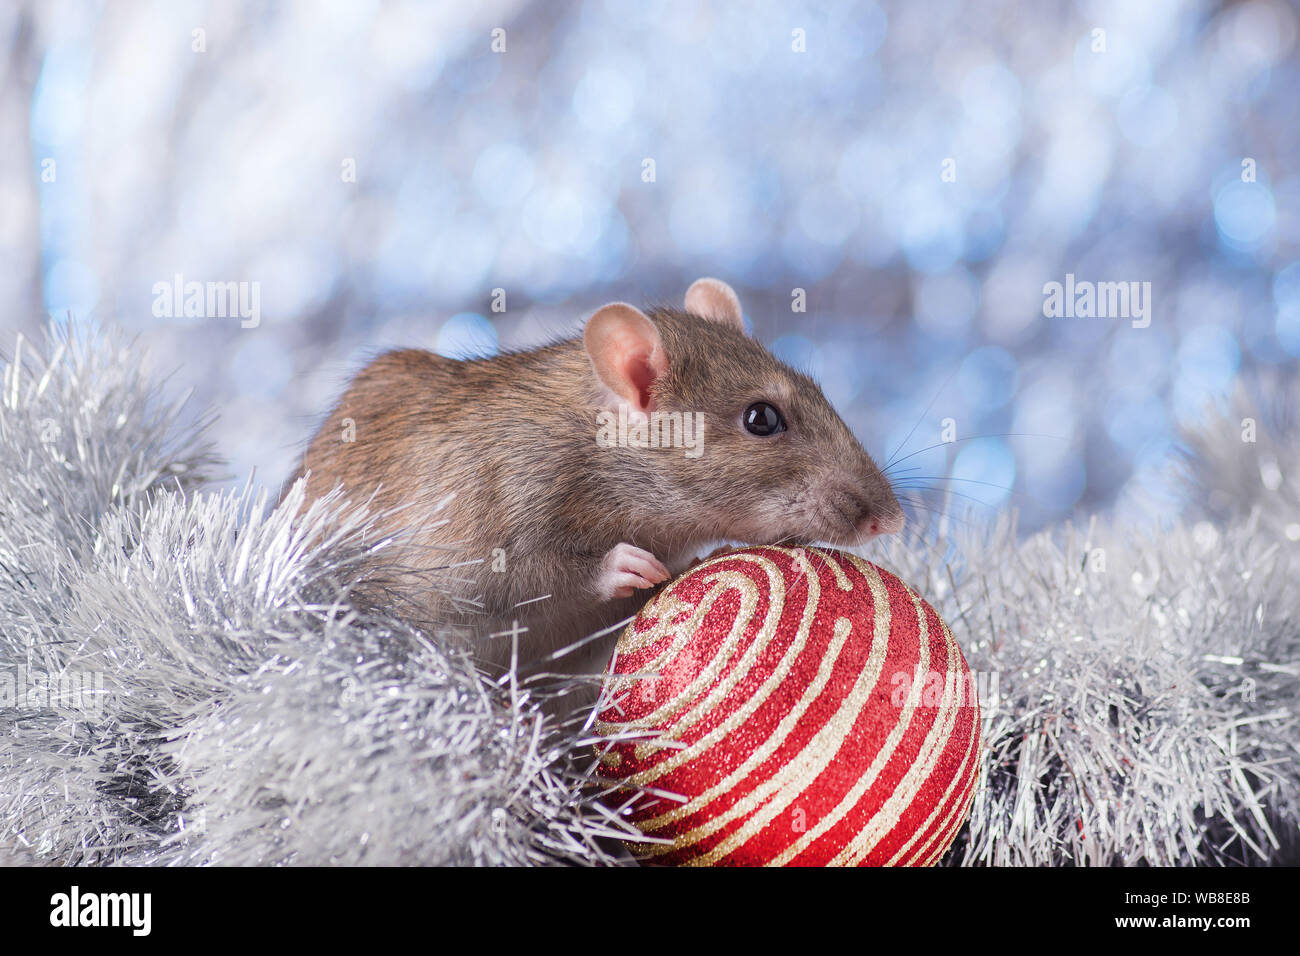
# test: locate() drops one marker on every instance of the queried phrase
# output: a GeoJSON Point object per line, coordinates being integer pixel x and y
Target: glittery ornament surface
{"type": "Point", "coordinates": [796, 707]}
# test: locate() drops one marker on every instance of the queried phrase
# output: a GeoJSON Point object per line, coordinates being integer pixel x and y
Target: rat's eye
{"type": "Point", "coordinates": [763, 419]}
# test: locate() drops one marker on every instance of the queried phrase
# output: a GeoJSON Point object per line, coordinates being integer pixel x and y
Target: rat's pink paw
{"type": "Point", "coordinates": [627, 569]}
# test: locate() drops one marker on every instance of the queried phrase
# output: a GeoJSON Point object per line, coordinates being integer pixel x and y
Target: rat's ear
{"type": "Point", "coordinates": [714, 299]}
{"type": "Point", "coordinates": [625, 350]}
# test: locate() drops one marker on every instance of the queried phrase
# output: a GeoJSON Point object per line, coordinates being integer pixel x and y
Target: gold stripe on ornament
{"type": "Point", "coordinates": [776, 600]}
{"type": "Point", "coordinates": [843, 627]}
{"type": "Point", "coordinates": [718, 586]}
{"type": "Point", "coordinates": [772, 796]}
{"type": "Point", "coordinates": [937, 838]}
{"type": "Point", "coordinates": [841, 578]}
{"type": "Point", "coordinates": [947, 831]}
{"type": "Point", "coordinates": [961, 779]}
{"type": "Point", "coordinates": [724, 688]}
{"type": "Point", "coordinates": [880, 598]}
{"type": "Point", "coordinates": [666, 607]}
{"type": "Point", "coordinates": [956, 779]}
{"type": "Point", "coordinates": [943, 845]}
{"type": "Point", "coordinates": [922, 767]}
{"type": "Point", "coordinates": [632, 641]}
{"type": "Point", "coordinates": [681, 702]}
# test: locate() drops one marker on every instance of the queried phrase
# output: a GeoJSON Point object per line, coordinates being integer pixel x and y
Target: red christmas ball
{"type": "Point", "coordinates": [791, 707]}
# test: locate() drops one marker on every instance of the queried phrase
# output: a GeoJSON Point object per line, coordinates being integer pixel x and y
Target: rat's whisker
{"type": "Point", "coordinates": [939, 512]}
{"type": "Point", "coordinates": [950, 493]}
{"type": "Point", "coordinates": [955, 441]}
{"type": "Point", "coordinates": [974, 481]}
{"type": "Point", "coordinates": [921, 417]}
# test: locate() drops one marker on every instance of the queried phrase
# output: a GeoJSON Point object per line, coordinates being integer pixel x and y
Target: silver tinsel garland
{"type": "Point", "coordinates": [248, 706]}
{"type": "Point", "coordinates": [250, 711]}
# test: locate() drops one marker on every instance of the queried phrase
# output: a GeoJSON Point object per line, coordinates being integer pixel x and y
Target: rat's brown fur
{"type": "Point", "coordinates": [513, 438]}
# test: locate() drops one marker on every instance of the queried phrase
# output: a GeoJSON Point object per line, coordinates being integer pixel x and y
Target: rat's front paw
{"type": "Point", "coordinates": [627, 569]}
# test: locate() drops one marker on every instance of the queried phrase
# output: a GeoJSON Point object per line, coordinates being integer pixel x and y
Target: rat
{"type": "Point", "coordinates": [563, 483]}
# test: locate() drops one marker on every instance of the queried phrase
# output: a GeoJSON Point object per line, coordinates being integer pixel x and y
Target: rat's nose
{"type": "Point", "coordinates": [881, 524]}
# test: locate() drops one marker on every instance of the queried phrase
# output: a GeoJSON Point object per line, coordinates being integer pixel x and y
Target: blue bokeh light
{"type": "Point", "coordinates": [985, 471]}
{"type": "Point", "coordinates": [918, 192]}
{"type": "Point", "coordinates": [1244, 214]}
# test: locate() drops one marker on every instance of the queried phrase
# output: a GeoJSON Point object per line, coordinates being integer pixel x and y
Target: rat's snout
{"type": "Point", "coordinates": [877, 510]}
{"type": "Point", "coordinates": [873, 524]}
{"type": "Point", "coordinates": [877, 514]}
{"type": "Point", "coordinates": [857, 509]}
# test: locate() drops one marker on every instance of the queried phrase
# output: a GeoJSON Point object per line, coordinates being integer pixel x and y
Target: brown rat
{"type": "Point", "coordinates": [537, 453]}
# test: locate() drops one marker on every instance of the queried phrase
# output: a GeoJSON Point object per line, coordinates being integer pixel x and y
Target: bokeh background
{"type": "Point", "coordinates": [221, 155]}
